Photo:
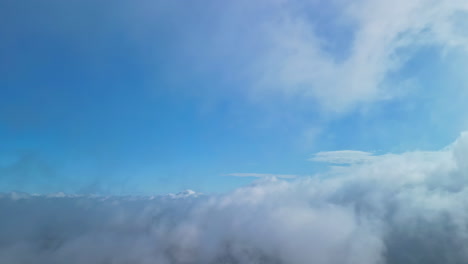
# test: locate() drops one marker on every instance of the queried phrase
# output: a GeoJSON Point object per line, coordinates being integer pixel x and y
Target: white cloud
{"type": "Point", "coordinates": [406, 208]}
{"type": "Point", "coordinates": [299, 64]}
{"type": "Point", "coordinates": [264, 175]}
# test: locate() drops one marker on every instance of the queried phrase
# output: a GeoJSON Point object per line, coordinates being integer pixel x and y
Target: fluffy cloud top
{"type": "Point", "coordinates": [405, 208]}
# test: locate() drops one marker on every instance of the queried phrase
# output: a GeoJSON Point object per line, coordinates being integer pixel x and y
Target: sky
{"type": "Point", "coordinates": [234, 132]}
{"type": "Point", "coordinates": [155, 96]}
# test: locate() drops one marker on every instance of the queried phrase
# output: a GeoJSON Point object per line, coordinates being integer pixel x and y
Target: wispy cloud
{"type": "Point", "coordinates": [264, 175]}
{"type": "Point", "coordinates": [299, 61]}
{"type": "Point", "coordinates": [343, 157]}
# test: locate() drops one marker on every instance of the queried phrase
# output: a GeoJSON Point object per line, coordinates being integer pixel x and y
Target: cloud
{"type": "Point", "coordinates": [263, 175]}
{"type": "Point", "coordinates": [303, 62]}
{"type": "Point", "coordinates": [395, 208]}
{"type": "Point", "coordinates": [343, 157]}
{"type": "Point", "coordinates": [335, 55]}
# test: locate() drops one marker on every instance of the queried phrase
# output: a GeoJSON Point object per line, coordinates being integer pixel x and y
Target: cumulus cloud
{"type": "Point", "coordinates": [395, 208]}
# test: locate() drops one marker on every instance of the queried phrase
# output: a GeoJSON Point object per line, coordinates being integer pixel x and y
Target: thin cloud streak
{"type": "Point", "coordinates": [343, 157]}
{"type": "Point", "coordinates": [264, 175]}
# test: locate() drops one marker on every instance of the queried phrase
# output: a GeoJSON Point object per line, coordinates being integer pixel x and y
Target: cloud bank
{"type": "Point", "coordinates": [394, 208]}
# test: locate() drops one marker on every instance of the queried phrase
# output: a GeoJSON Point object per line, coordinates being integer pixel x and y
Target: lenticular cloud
{"type": "Point", "coordinates": [405, 208]}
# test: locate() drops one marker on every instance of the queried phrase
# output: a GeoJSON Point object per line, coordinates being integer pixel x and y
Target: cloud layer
{"type": "Point", "coordinates": [394, 208]}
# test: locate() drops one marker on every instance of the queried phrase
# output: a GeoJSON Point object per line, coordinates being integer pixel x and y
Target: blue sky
{"type": "Point", "coordinates": [160, 96]}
